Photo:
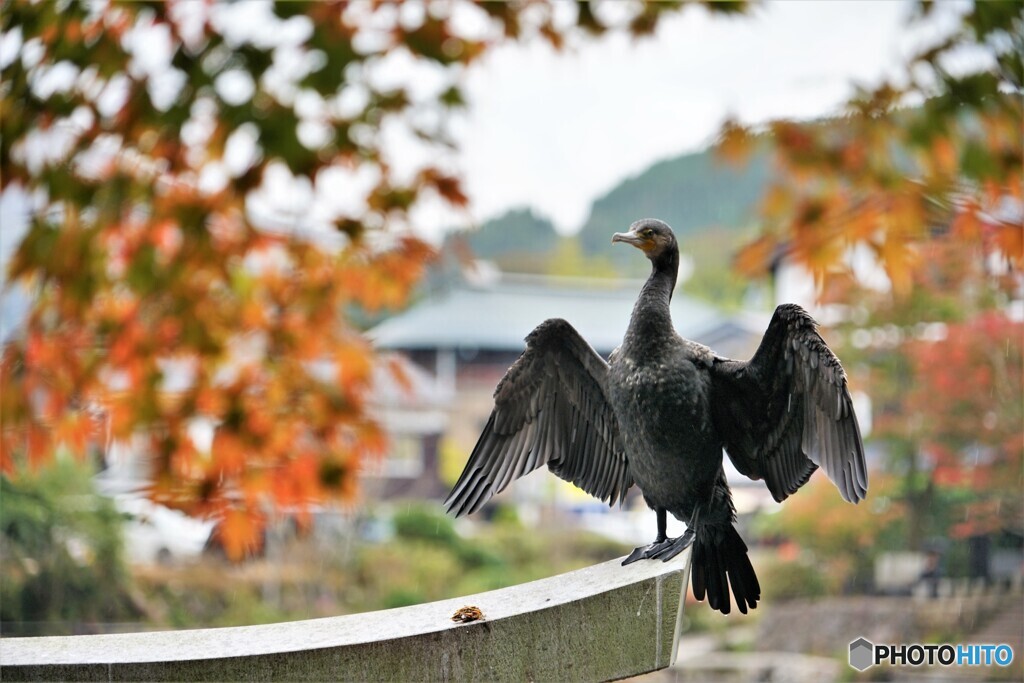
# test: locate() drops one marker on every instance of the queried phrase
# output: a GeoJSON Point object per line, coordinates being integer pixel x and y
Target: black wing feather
{"type": "Point", "coordinates": [549, 408]}
{"type": "Point", "coordinates": [788, 410]}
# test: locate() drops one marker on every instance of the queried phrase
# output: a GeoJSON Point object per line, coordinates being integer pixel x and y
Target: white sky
{"type": "Point", "coordinates": [555, 131]}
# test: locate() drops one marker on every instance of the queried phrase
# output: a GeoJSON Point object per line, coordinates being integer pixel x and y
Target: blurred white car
{"type": "Point", "coordinates": [157, 534]}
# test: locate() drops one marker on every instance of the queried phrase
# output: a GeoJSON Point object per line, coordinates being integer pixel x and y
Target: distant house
{"type": "Point", "coordinates": [468, 335]}
{"type": "Point", "coordinates": [405, 401]}
{"type": "Point", "coordinates": [494, 317]}
{"type": "Point", "coordinates": [413, 411]}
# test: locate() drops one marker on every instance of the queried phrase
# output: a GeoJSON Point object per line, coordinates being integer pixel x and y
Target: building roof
{"type": "Point", "coordinates": [498, 316]}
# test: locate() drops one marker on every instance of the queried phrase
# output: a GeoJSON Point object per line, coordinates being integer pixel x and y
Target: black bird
{"type": "Point", "coordinates": [659, 413]}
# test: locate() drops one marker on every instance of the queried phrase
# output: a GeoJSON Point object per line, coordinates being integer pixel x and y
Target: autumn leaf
{"type": "Point", "coordinates": [756, 258]}
{"type": "Point", "coordinates": [899, 260]}
{"type": "Point", "coordinates": [932, 190]}
{"type": "Point", "coordinates": [40, 446]}
{"type": "Point", "coordinates": [165, 293]}
{"type": "Point", "coordinates": [734, 144]}
{"type": "Point", "coordinates": [903, 172]}
{"type": "Point", "coordinates": [240, 533]}
{"type": "Point", "coordinates": [448, 187]}
{"type": "Point", "coordinates": [944, 153]}
{"type": "Point", "coordinates": [74, 431]}
{"type": "Point", "coordinates": [229, 452]}
{"type": "Point", "coordinates": [353, 363]}
{"type": "Point", "coordinates": [400, 375]}
{"type": "Point", "coordinates": [1009, 240]}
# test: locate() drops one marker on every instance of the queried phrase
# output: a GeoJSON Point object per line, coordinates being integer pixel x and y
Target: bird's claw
{"type": "Point", "coordinates": [638, 554]}
{"type": "Point", "coordinates": [661, 550]}
{"type": "Point", "coordinates": [673, 546]}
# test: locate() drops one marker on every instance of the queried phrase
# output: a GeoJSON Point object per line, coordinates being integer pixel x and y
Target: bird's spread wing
{"type": "Point", "coordinates": [787, 410]}
{"type": "Point", "coordinates": [549, 408]}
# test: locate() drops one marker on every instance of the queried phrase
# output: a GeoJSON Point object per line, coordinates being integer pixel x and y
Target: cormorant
{"type": "Point", "coordinates": [659, 413]}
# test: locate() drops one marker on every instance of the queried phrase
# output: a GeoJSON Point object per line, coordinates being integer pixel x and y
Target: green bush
{"type": "Point", "coordinates": [473, 556]}
{"type": "Point", "coordinates": [791, 580]}
{"type": "Point", "coordinates": [422, 522]}
{"type": "Point", "coordinates": [61, 558]}
{"type": "Point", "coordinates": [384, 570]}
{"type": "Point", "coordinates": [506, 515]}
{"type": "Point", "coordinates": [426, 523]}
{"type": "Point", "coordinates": [403, 597]}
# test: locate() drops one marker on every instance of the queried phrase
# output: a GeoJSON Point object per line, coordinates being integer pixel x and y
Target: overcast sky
{"type": "Point", "coordinates": [555, 131]}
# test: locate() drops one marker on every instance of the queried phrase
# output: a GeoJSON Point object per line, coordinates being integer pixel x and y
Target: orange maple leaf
{"type": "Point", "coordinates": [1009, 239]}
{"type": "Point", "coordinates": [74, 430]}
{"type": "Point", "coordinates": [755, 258]}
{"type": "Point", "coordinates": [229, 451]}
{"type": "Point", "coordinates": [240, 533]}
{"type": "Point", "coordinates": [353, 363]}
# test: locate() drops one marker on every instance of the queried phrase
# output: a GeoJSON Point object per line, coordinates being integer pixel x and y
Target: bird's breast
{"type": "Point", "coordinates": [661, 404]}
{"type": "Point", "coordinates": [663, 411]}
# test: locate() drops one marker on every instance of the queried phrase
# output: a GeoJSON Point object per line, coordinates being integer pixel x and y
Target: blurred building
{"type": "Point", "coordinates": [412, 408]}
{"type": "Point", "coordinates": [405, 400]}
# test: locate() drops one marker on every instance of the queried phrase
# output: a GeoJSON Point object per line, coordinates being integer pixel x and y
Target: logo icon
{"type": "Point", "coordinates": [862, 654]}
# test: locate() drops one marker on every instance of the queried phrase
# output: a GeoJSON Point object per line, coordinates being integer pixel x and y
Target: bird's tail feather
{"type": "Point", "coordinates": [720, 559]}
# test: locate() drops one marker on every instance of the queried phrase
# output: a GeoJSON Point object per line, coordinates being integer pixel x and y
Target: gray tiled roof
{"type": "Point", "coordinates": [498, 316]}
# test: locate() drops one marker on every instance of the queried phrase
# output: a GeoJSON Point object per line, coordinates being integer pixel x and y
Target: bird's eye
{"type": "Point", "coordinates": [647, 232]}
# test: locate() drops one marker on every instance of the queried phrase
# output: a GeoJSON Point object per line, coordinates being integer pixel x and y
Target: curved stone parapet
{"type": "Point", "coordinates": [599, 623]}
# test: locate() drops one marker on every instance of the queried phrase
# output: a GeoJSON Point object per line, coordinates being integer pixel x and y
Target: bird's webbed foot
{"type": "Point", "coordinates": [664, 549]}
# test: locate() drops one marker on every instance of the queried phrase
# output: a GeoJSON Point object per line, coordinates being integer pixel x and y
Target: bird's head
{"type": "Point", "coordinates": [651, 236]}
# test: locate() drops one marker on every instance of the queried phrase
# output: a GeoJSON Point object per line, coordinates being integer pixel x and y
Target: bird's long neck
{"type": "Point", "coordinates": [652, 319]}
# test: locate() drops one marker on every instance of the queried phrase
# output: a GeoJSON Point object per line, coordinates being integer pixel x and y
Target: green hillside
{"type": "Point", "coordinates": [711, 206]}
{"type": "Point", "coordinates": [693, 193]}
{"type": "Point", "coordinates": [518, 241]}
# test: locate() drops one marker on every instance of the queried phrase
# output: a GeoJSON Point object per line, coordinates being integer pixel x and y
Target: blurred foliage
{"type": "Point", "coordinates": [61, 562]}
{"type": "Point", "coordinates": [713, 279]}
{"type": "Point", "coordinates": [210, 199]}
{"type": "Point", "coordinates": [568, 259]}
{"type": "Point", "coordinates": [948, 393]}
{"type": "Point", "coordinates": [419, 521]}
{"type": "Point", "coordinates": [304, 581]}
{"type": "Point", "coordinates": [505, 514]}
{"type": "Point", "coordinates": [426, 523]}
{"type": "Point", "coordinates": [792, 580]}
{"type": "Point", "coordinates": [842, 540]}
{"type": "Point", "coordinates": [413, 571]}
{"type": "Point", "coordinates": [429, 565]}
{"type": "Point", "coordinates": [731, 632]}
{"type": "Point", "coordinates": [936, 154]}
{"type": "Point", "coordinates": [924, 175]}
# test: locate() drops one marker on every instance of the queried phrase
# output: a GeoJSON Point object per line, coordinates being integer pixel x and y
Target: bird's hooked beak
{"type": "Point", "coordinates": [631, 237]}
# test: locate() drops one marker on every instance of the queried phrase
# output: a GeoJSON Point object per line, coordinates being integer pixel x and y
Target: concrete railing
{"type": "Point", "coordinates": [600, 623]}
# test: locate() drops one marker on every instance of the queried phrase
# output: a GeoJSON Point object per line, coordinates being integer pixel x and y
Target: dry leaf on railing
{"type": "Point", "coordinates": [467, 614]}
